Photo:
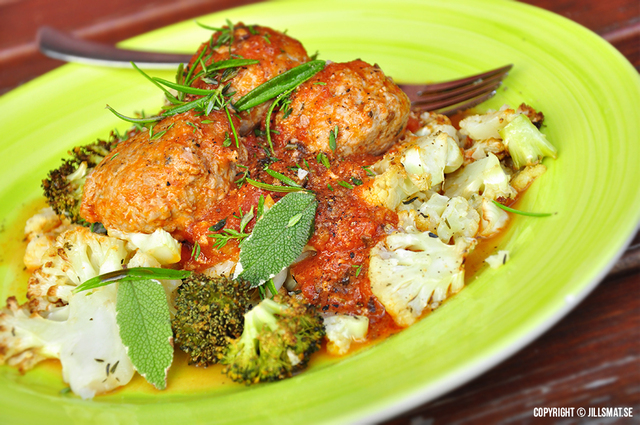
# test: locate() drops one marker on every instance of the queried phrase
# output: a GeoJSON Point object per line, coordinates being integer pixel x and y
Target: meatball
{"type": "Point", "coordinates": [276, 52]}
{"type": "Point", "coordinates": [166, 180]}
{"type": "Point", "coordinates": [371, 112]}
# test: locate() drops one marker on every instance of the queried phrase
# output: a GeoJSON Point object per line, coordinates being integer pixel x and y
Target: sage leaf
{"type": "Point", "coordinates": [279, 84]}
{"type": "Point", "coordinates": [142, 314]}
{"type": "Point", "coordinates": [277, 238]}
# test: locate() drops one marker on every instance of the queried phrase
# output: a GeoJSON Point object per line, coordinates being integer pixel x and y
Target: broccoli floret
{"type": "Point", "coordinates": [63, 186]}
{"type": "Point", "coordinates": [209, 311]}
{"type": "Point", "coordinates": [279, 337]}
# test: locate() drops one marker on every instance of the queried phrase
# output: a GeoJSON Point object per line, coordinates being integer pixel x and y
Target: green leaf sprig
{"type": "Point", "coordinates": [134, 273]}
{"type": "Point", "coordinates": [279, 84]}
{"type": "Point", "coordinates": [525, 213]}
{"type": "Point", "coordinates": [278, 238]}
{"type": "Point", "coordinates": [144, 323]}
{"type": "Point", "coordinates": [228, 234]}
{"type": "Point", "coordinates": [143, 318]}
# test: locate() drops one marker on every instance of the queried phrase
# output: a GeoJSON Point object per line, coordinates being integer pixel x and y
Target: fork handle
{"type": "Point", "coordinates": [59, 45]}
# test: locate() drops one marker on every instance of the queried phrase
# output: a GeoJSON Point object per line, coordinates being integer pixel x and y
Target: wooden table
{"type": "Point", "coordinates": [590, 359]}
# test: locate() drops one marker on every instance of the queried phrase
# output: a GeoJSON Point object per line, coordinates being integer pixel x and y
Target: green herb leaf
{"type": "Point", "coordinates": [142, 314]}
{"type": "Point", "coordinates": [274, 188]}
{"type": "Point", "coordinates": [273, 244]}
{"type": "Point", "coordinates": [284, 179]}
{"type": "Point", "coordinates": [230, 63]}
{"type": "Point", "coordinates": [332, 139]}
{"type": "Point", "coordinates": [322, 159]}
{"type": "Point", "coordinates": [144, 120]}
{"type": "Point", "coordinates": [133, 273]}
{"type": "Point", "coordinates": [279, 84]}
{"type": "Point", "coordinates": [345, 184]}
{"type": "Point", "coordinates": [528, 214]}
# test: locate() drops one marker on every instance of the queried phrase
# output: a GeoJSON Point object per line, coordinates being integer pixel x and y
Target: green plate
{"type": "Point", "coordinates": [589, 93]}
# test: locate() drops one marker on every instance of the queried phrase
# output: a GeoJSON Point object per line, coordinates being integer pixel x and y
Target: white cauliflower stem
{"type": "Point", "coordinates": [412, 271]}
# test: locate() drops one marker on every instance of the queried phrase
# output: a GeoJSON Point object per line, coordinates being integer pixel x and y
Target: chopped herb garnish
{"type": "Point", "coordinates": [345, 184]}
{"type": "Point", "coordinates": [228, 234]}
{"type": "Point", "coordinates": [195, 252]}
{"type": "Point", "coordinates": [332, 139]}
{"type": "Point", "coordinates": [260, 209]}
{"type": "Point", "coordinates": [284, 179]}
{"type": "Point", "coordinates": [358, 269]}
{"type": "Point", "coordinates": [322, 159]}
{"type": "Point", "coordinates": [356, 181]}
{"type": "Point", "coordinates": [368, 171]}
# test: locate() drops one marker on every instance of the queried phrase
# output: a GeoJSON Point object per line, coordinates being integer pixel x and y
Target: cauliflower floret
{"type": "Point", "coordinates": [493, 219]}
{"type": "Point", "coordinates": [445, 217]}
{"type": "Point", "coordinates": [41, 231]}
{"type": "Point", "coordinates": [432, 123]}
{"type": "Point", "coordinates": [427, 158]}
{"type": "Point", "coordinates": [526, 144]}
{"type": "Point", "coordinates": [418, 164]}
{"type": "Point", "coordinates": [523, 178]}
{"type": "Point", "coordinates": [87, 341]}
{"type": "Point", "coordinates": [413, 271]}
{"type": "Point", "coordinates": [76, 256]}
{"type": "Point", "coordinates": [342, 330]}
{"type": "Point", "coordinates": [160, 245]}
{"type": "Point", "coordinates": [486, 126]}
{"type": "Point", "coordinates": [389, 188]}
{"type": "Point", "coordinates": [485, 177]}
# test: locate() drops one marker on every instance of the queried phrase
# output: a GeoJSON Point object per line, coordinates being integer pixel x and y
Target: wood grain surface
{"type": "Point", "coordinates": [590, 359]}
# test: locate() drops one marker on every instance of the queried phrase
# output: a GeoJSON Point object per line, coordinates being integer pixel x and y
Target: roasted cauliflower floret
{"type": "Point", "coordinates": [485, 177]}
{"type": "Point", "coordinates": [342, 330]}
{"type": "Point", "coordinates": [84, 335]}
{"type": "Point", "coordinates": [411, 272]}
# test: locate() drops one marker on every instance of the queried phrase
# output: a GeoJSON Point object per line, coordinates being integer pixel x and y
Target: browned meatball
{"type": "Point", "coordinates": [163, 182]}
{"type": "Point", "coordinates": [276, 52]}
{"type": "Point", "coordinates": [371, 112]}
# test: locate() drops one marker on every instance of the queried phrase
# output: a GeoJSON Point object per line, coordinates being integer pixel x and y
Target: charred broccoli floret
{"type": "Point", "coordinates": [63, 186]}
{"type": "Point", "coordinates": [279, 337]}
{"type": "Point", "coordinates": [210, 311]}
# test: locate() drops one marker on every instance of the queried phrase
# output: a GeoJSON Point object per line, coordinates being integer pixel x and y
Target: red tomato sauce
{"type": "Point", "coordinates": [334, 278]}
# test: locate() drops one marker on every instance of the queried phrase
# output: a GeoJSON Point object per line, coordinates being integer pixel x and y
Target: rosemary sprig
{"type": "Point", "coordinates": [284, 179]}
{"type": "Point", "coordinates": [525, 213]}
{"type": "Point", "coordinates": [279, 84]}
{"type": "Point", "coordinates": [133, 273]}
{"type": "Point", "coordinates": [274, 188]}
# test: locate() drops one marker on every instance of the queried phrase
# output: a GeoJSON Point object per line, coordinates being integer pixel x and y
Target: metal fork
{"type": "Point", "coordinates": [446, 97]}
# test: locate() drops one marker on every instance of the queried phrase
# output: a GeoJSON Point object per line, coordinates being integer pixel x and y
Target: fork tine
{"type": "Point", "coordinates": [473, 79]}
{"type": "Point", "coordinates": [468, 104]}
{"type": "Point", "coordinates": [458, 94]}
